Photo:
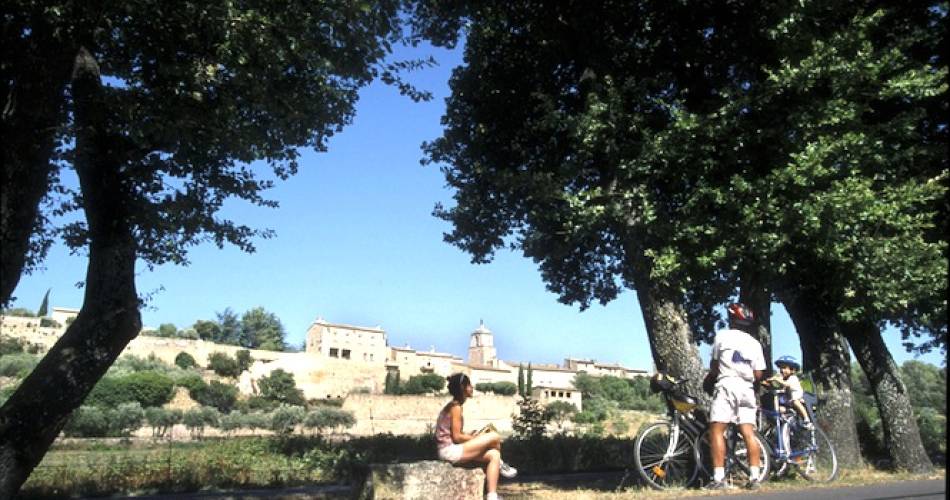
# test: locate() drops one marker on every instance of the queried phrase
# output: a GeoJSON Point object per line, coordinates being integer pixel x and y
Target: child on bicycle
{"type": "Point", "coordinates": [794, 394]}
{"type": "Point", "coordinates": [456, 447]}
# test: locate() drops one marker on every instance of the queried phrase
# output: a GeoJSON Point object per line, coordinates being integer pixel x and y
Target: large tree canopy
{"type": "Point", "coordinates": [160, 108]}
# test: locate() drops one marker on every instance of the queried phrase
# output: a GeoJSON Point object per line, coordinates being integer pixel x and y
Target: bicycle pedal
{"type": "Point", "coordinates": [659, 471]}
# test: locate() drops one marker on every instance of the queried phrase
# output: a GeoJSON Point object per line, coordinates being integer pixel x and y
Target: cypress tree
{"type": "Point", "coordinates": [521, 380]}
{"type": "Point", "coordinates": [528, 384]}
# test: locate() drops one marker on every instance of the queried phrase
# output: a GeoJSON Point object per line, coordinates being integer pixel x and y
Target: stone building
{"type": "Point", "coordinates": [358, 343]}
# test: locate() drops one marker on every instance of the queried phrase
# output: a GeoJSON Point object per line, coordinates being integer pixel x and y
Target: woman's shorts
{"type": "Point", "coordinates": [451, 453]}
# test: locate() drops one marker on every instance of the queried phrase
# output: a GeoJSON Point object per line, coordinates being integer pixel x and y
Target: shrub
{"type": "Point", "coordinates": [255, 403]}
{"type": "Point", "coordinates": [243, 358]}
{"type": "Point", "coordinates": [217, 395]}
{"type": "Point", "coordinates": [285, 418]}
{"type": "Point", "coordinates": [192, 382]}
{"type": "Point", "coordinates": [530, 421]}
{"type": "Point", "coordinates": [423, 384]}
{"type": "Point", "coordinates": [224, 365]}
{"type": "Point", "coordinates": [231, 422]}
{"type": "Point", "coordinates": [17, 365]}
{"type": "Point", "coordinates": [149, 388]}
{"type": "Point", "coordinates": [13, 345]}
{"type": "Point", "coordinates": [500, 388]}
{"type": "Point", "coordinates": [49, 322]}
{"type": "Point", "coordinates": [185, 361]}
{"type": "Point", "coordinates": [87, 421]}
{"type": "Point", "coordinates": [279, 386]}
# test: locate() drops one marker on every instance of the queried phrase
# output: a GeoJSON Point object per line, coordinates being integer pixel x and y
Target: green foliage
{"type": "Point", "coordinates": [145, 388]}
{"type": "Point", "coordinates": [132, 363]}
{"type": "Point", "coordinates": [126, 418]}
{"type": "Point", "coordinates": [229, 328]}
{"type": "Point", "coordinates": [161, 420]}
{"type": "Point", "coordinates": [193, 382]}
{"type": "Point", "coordinates": [14, 345]}
{"type": "Point", "coordinates": [49, 323]}
{"type": "Point", "coordinates": [500, 388]}
{"type": "Point", "coordinates": [87, 421]}
{"type": "Point", "coordinates": [531, 421]}
{"type": "Point", "coordinates": [196, 419]}
{"type": "Point", "coordinates": [279, 386]}
{"type": "Point", "coordinates": [558, 412]}
{"type": "Point", "coordinates": [208, 330]}
{"type": "Point", "coordinates": [167, 330]}
{"type": "Point", "coordinates": [17, 365]}
{"type": "Point", "coordinates": [224, 365]}
{"type": "Point", "coordinates": [521, 381]}
{"type": "Point", "coordinates": [391, 385]}
{"type": "Point", "coordinates": [185, 361]}
{"type": "Point", "coordinates": [603, 395]}
{"type": "Point", "coordinates": [21, 312]}
{"type": "Point", "coordinates": [243, 358]}
{"type": "Point", "coordinates": [926, 385]}
{"type": "Point", "coordinates": [321, 419]}
{"type": "Point", "coordinates": [44, 306]}
{"type": "Point", "coordinates": [423, 384]}
{"type": "Point", "coordinates": [286, 418]}
{"type": "Point", "coordinates": [262, 330]}
{"type": "Point", "coordinates": [217, 395]}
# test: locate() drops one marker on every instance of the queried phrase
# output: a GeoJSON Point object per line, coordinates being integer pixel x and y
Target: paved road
{"type": "Point", "coordinates": [933, 489]}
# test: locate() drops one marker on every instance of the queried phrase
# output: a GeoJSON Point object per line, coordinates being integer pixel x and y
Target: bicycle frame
{"type": "Point", "coordinates": [782, 447]}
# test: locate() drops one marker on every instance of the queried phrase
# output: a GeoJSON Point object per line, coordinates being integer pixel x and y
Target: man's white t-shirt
{"type": "Point", "coordinates": [739, 355]}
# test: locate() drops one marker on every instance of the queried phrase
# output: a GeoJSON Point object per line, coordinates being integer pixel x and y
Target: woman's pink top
{"type": "Point", "coordinates": [443, 427]}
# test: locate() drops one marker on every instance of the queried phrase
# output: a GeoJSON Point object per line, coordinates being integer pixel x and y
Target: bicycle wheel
{"type": "Point", "coordinates": [664, 460]}
{"type": "Point", "coordinates": [821, 463]}
{"type": "Point", "coordinates": [738, 464]}
{"type": "Point", "coordinates": [777, 464]}
{"type": "Point", "coordinates": [741, 453]}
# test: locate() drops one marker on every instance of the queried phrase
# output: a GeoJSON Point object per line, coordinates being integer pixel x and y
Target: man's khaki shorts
{"type": "Point", "coordinates": [733, 402]}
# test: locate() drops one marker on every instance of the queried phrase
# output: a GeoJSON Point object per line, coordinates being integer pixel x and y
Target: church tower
{"type": "Point", "coordinates": [481, 347]}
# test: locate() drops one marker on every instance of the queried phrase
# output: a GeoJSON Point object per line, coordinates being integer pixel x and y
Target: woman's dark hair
{"type": "Point", "coordinates": [457, 384]}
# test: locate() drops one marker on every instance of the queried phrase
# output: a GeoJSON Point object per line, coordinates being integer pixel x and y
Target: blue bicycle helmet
{"type": "Point", "coordinates": [788, 360]}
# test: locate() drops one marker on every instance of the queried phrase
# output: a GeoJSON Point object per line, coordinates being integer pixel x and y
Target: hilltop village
{"type": "Point", "coordinates": [340, 359]}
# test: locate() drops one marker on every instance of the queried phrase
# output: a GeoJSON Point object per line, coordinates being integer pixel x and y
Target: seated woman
{"type": "Point", "coordinates": [457, 447]}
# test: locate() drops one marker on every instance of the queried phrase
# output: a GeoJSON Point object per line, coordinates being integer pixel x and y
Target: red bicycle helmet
{"type": "Point", "coordinates": [740, 315]}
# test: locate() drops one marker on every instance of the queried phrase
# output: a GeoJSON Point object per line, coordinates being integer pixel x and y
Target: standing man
{"type": "Point", "coordinates": [737, 364]}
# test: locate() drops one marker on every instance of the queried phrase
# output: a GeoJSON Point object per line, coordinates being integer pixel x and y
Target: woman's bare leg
{"type": "Point", "coordinates": [475, 448]}
{"type": "Point", "coordinates": [492, 461]}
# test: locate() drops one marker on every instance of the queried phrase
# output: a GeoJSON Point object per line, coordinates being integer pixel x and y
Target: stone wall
{"type": "Point", "coordinates": [417, 414]}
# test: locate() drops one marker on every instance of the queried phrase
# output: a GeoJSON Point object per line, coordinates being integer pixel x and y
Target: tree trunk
{"type": "Point", "coordinates": [901, 435]}
{"type": "Point", "coordinates": [32, 89]}
{"type": "Point", "coordinates": [826, 356]}
{"type": "Point", "coordinates": [671, 340]}
{"type": "Point", "coordinates": [754, 295]}
{"type": "Point", "coordinates": [34, 415]}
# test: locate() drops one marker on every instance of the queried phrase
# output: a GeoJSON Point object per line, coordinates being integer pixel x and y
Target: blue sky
{"type": "Point", "coordinates": [356, 243]}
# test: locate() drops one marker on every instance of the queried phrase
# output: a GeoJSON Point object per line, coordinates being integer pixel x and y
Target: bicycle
{"type": "Point", "coordinates": [737, 455]}
{"type": "Point", "coordinates": [806, 451]}
{"type": "Point", "coordinates": [665, 451]}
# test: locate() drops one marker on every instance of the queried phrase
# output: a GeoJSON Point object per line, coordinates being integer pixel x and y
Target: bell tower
{"type": "Point", "coordinates": [481, 347]}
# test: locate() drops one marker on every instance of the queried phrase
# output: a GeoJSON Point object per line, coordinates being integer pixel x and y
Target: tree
{"type": "Point", "coordinates": [167, 330]}
{"type": "Point", "coordinates": [558, 412]}
{"type": "Point", "coordinates": [286, 418]}
{"type": "Point", "coordinates": [262, 330]}
{"type": "Point", "coordinates": [208, 330]}
{"type": "Point", "coordinates": [521, 381]}
{"type": "Point", "coordinates": [203, 90]}
{"type": "Point", "coordinates": [44, 306]}
{"type": "Point", "coordinates": [230, 328]}
{"type": "Point", "coordinates": [279, 386]}
{"type": "Point", "coordinates": [528, 384]}
{"type": "Point", "coordinates": [216, 395]}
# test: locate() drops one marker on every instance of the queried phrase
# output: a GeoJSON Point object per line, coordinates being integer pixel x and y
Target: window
{"type": "Point", "coordinates": [334, 352]}
{"type": "Point", "coordinates": [346, 354]}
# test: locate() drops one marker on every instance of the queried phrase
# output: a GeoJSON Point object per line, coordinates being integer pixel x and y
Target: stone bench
{"type": "Point", "coordinates": [423, 480]}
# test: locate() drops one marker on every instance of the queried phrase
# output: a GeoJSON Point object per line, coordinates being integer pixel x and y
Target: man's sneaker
{"type": "Point", "coordinates": [718, 485]}
{"type": "Point", "coordinates": [753, 484]}
{"type": "Point", "coordinates": [507, 470]}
